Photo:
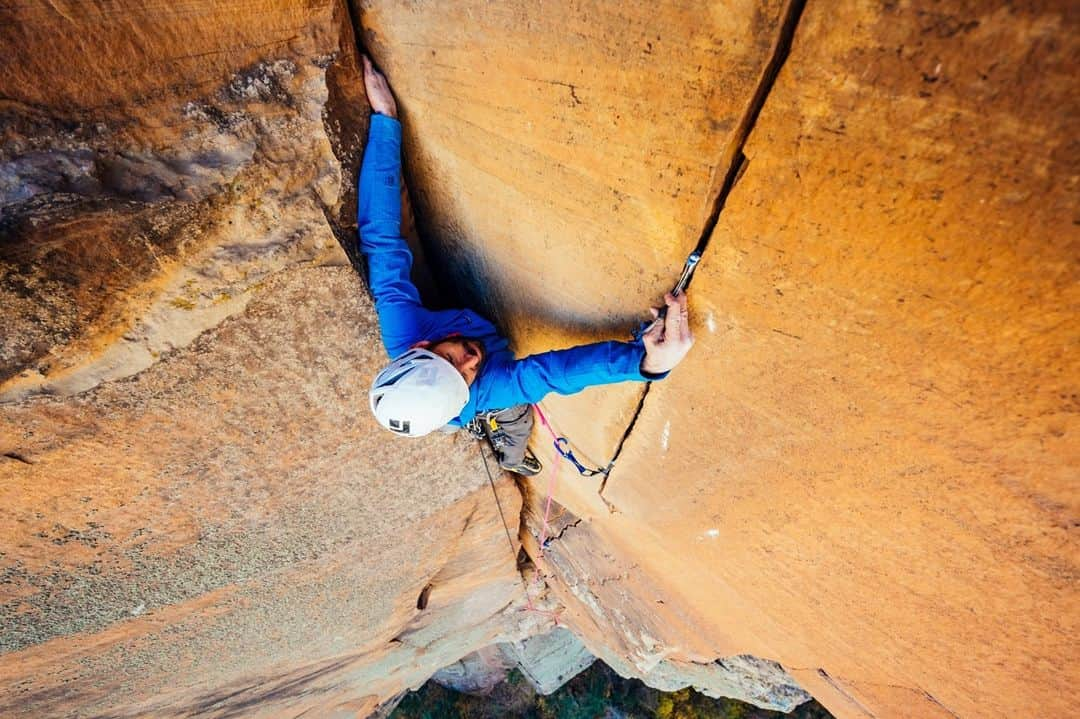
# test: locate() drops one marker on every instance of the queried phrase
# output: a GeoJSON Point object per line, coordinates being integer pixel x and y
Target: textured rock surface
{"type": "Point", "coordinates": [549, 660]}
{"type": "Point", "coordinates": [886, 325]}
{"type": "Point", "coordinates": [869, 457]}
{"type": "Point", "coordinates": [562, 157]}
{"type": "Point", "coordinates": [203, 518]}
{"type": "Point", "coordinates": [629, 620]}
{"type": "Point", "coordinates": [227, 533]}
{"type": "Point", "coordinates": [865, 471]}
{"type": "Point", "coordinates": [476, 673]}
{"type": "Point", "coordinates": [155, 171]}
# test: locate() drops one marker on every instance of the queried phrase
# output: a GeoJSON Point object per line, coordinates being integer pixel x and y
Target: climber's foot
{"type": "Point", "coordinates": [378, 90]}
{"type": "Point", "coordinates": [527, 467]}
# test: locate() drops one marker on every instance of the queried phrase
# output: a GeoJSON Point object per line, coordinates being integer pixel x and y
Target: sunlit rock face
{"type": "Point", "coordinates": [546, 661]}
{"type": "Point", "coordinates": [862, 474]}
{"type": "Point", "coordinates": [866, 468]}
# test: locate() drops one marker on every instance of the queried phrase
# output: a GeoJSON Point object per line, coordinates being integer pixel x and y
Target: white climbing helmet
{"type": "Point", "coordinates": [417, 393]}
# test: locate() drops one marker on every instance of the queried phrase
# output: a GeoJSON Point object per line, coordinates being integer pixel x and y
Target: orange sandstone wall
{"type": "Point", "coordinates": [887, 496]}
{"type": "Point", "coordinates": [154, 174]}
{"type": "Point", "coordinates": [226, 534]}
{"type": "Point", "coordinates": [867, 467]}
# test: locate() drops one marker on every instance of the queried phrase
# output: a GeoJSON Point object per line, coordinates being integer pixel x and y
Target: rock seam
{"type": "Point", "coordinates": [734, 162]}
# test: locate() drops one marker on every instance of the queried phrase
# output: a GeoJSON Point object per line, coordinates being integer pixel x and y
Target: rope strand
{"type": "Point", "coordinates": [529, 604]}
{"type": "Point", "coordinates": [491, 481]}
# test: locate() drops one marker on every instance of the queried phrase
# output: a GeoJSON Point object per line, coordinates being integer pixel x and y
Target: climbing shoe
{"type": "Point", "coordinates": [527, 467]}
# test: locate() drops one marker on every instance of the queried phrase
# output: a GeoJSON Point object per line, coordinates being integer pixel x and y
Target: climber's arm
{"type": "Point", "coordinates": [572, 370]}
{"type": "Point", "coordinates": [402, 318]}
{"type": "Point", "coordinates": [568, 371]}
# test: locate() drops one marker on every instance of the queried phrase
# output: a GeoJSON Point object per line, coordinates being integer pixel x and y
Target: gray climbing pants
{"type": "Point", "coordinates": [508, 432]}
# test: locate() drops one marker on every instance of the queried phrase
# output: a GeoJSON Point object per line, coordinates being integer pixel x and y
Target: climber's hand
{"type": "Point", "coordinates": [669, 340]}
{"type": "Point", "coordinates": [378, 90]}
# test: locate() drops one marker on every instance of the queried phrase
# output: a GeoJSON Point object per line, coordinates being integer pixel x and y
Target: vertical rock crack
{"type": "Point", "coordinates": [730, 168]}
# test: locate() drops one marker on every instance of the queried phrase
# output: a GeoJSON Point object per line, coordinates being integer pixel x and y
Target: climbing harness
{"type": "Point", "coordinates": [487, 426]}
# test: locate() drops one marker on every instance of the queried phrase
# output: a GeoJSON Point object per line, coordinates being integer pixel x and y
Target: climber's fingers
{"type": "Point", "coordinates": [684, 318]}
{"type": "Point", "coordinates": [370, 73]}
{"type": "Point", "coordinates": [655, 333]}
{"type": "Point", "coordinates": [667, 341]}
{"type": "Point", "coordinates": [675, 319]}
{"type": "Point", "coordinates": [379, 96]}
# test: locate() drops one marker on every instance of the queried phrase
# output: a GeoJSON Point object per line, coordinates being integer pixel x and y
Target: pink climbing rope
{"type": "Point", "coordinates": [552, 480]}
{"type": "Point", "coordinates": [553, 477]}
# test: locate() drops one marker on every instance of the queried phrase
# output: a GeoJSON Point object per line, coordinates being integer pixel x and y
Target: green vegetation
{"type": "Point", "coordinates": [597, 693]}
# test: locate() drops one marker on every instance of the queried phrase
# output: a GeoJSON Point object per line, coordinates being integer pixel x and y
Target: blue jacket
{"type": "Point", "coordinates": [502, 381]}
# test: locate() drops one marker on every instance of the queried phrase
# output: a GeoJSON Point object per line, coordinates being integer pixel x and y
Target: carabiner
{"type": "Point", "coordinates": [568, 454]}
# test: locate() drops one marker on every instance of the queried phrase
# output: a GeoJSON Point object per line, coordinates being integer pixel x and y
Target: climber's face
{"type": "Point", "coordinates": [464, 353]}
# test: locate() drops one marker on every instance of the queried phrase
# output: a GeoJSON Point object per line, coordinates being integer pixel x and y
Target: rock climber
{"type": "Point", "coordinates": [451, 368]}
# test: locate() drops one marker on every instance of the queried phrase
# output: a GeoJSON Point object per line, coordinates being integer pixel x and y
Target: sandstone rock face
{"type": "Point", "coordinates": [628, 620]}
{"type": "Point", "coordinates": [477, 673]}
{"type": "Point", "coordinates": [227, 533]}
{"type": "Point", "coordinates": [155, 172]}
{"type": "Point", "coordinates": [550, 660]}
{"type": "Point", "coordinates": [860, 484]}
{"type": "Point", "coordinates": [885, 328]}
{"type": "Point", "coordinates": [561, 157]}
{"type": "Point", "coordinates": [864, 470]}
{"type": "Point", "coordinates": [547, 661]}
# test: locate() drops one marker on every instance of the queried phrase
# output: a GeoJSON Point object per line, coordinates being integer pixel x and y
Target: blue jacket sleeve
{"type": "Point", "coordinates": [402, 319]}
{"type": "Point", "coordinates": [567, 371]}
